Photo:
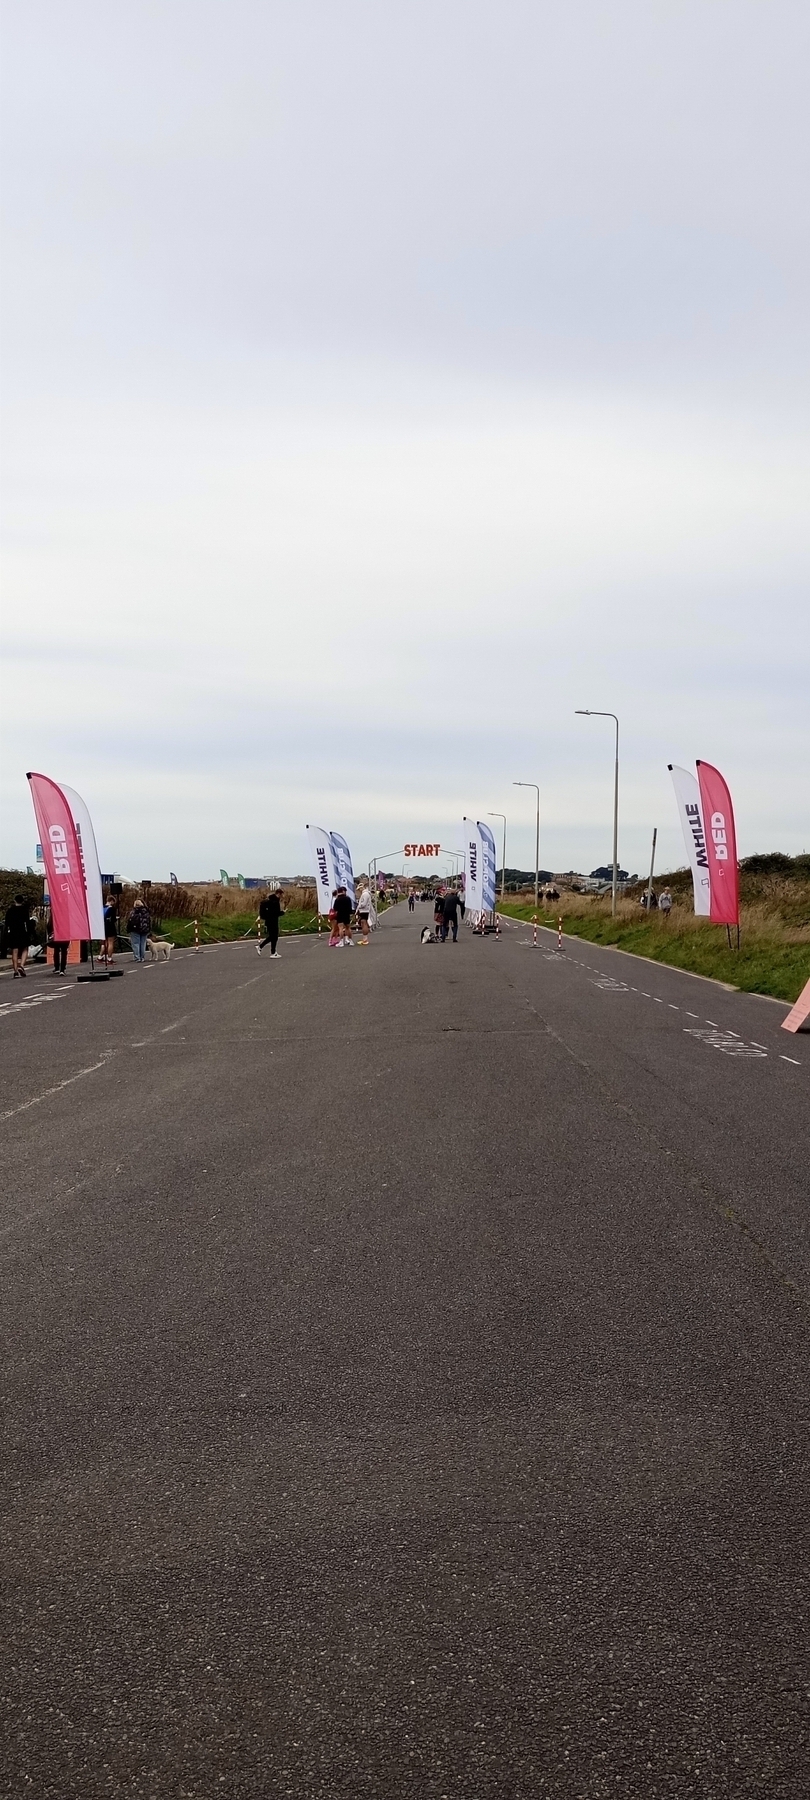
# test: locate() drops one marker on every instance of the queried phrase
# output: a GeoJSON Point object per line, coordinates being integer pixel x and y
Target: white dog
{"type": "Point", "coordinates": [428, 937]}
{"type": "Point", "coordinates": [158, 948]}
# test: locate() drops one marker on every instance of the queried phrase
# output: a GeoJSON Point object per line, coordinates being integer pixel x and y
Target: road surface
{"type": "Point", "coordinates": [405, 1378]}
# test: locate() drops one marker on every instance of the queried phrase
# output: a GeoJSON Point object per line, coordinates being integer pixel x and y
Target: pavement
{"type": "Point", "coordinates": [405, 1383]}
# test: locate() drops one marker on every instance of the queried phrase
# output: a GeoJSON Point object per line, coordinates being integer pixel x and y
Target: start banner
{"type": "Point", "coordinates": [707, 822]}
{"type": "Point", "coordinates": [721, 845]}
{"type": "Point", "coordinates": [488, 866]}
{"type": "Point", "coordinates": [687, 794]}
{"type": "Point", "coordinates": [61, 854]}
{"type": "Point", "coordinates": [91, 871]}
{"type": "Point", "coordinates": [323, 858]}
{"type": "Point", "coordinates": [343, 864]}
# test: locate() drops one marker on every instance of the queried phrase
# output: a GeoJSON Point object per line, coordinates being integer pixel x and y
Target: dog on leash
{"type": "Point", "coordinates": [160, 949]}
{"type": "Point", "coordinates": [428, 936]}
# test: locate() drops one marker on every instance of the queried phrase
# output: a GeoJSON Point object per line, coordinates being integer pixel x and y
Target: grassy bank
{"type": "Point", "coordinates": [224, 928]}
{"type": "Point", "coordinates": [774, 957]}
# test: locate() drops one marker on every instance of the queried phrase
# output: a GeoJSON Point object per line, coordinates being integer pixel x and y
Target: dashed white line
{"type": "Point", "coordinates": [790, 1059]}
{"type": "Point", "coordinates": [672, 1006]}
{"type": "Point", "coordinates": [12, 1112]}
{"type": "Point", "coordinates": [692, 1015]}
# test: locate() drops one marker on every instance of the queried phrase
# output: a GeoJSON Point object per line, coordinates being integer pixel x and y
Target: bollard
{"type": "Point", "coordinates": [559, 932]}
{"type": "Point", "coordinates": [197, 944]}
{"type": "Point", "coordinates": [534, 932]}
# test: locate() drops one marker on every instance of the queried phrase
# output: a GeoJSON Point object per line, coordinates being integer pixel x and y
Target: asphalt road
{"type": "Point", "coordinates": [405, 1383]}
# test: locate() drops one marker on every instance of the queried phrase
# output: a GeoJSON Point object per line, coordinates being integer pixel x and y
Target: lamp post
{"type": "Point", "coordinates": [533, 784]}
{"type": "Point", "coordinates": [586, 713]}
{"type": "Point", "coordinates": [497, 815]}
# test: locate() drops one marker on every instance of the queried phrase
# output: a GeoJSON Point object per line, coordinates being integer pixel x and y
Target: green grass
{"type": "Point", "coordinates": [215, 929]}
{"type": "Point", "coordinates": [761, 966]}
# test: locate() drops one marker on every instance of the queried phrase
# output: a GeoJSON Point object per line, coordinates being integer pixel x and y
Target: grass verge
{"type": "Point", "coordinates": [767, 962]}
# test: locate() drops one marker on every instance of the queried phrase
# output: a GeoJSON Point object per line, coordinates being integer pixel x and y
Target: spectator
{"type": "Point", "coordinates": [438, 916]}
{"type": "Point", "coordinates": [665, 903]}
{"type": "Point", "coordinates": [450, 914]}
{"type": "Point", "coordinates": [343, 915]}
{"type": "Point", "coordinates": [59, 947]}
{"type": "Point", "coordinates": [17, 926]}
{"type": "Point", "coordinates": [139, 925]}
{"type": "Point", "coordinates": [364, 913]}
{"type": "Point", "coordinates": [110, 929]}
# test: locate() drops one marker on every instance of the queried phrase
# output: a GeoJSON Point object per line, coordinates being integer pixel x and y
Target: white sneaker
{"type": "Point", "coordinates": [258, 949]}
{"type": "Point", "coordinates": [274, 955]}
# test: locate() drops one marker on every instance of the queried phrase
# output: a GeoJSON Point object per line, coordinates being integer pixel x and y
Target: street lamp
{"type": "Point", "coordinates": [533, 784]}
{"type": "Point", "coordinates": [497, 815]}
{"type": "Point", "coordinates": [586, 713]}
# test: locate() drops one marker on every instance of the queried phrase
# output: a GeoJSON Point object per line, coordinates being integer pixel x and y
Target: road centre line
{"type": "Point", "coordinates": [38, 1098]}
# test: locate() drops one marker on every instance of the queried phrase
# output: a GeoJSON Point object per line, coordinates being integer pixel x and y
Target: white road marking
{"type": "Point", "coordinates": [758, 1046]}
{"type": "Point", "coordinates": [790, 1059]}
{"type": "Point", "coordinates": [722, 1040]}
{"type": "Point", "coordinates": [672, 1006]}
{"type": "Point", "coordinates": [38, 1098]}
{"type": "Point", "coordinates": [15, 1006]}
{"type": "Point", "coordinates": [691, 1015]}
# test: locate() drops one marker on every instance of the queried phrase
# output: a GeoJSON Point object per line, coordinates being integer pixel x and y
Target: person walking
{"type": "Point", "coordinates": [139, 925]}
{"type": "Point", "coordinates": [665, 903]}
{"type": "Point", "coordinates": [364, 913]}
{"type": "Point", "coordinates": [17, 924]}
{"type": "Point", "coordinates": [411, 900]}
{"type": "Point", "coordinates": [343, 915]}
{"type": "Point", "coordinates": [59, 946]}
{"type": "Point", "coordinates": [110, 929]}
{"type": "Point", "coordinates": [270, 911]}
{"type": "Point", "coordinates": [450, 913]}
{"type": "Point", "coordinates": [438, 916]}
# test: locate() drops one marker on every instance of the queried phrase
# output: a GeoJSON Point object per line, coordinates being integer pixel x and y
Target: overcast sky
{"type": "Point", "coordinates": [384, 382]}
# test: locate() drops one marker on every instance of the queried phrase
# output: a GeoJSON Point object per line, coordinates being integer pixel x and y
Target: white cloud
{"type": "Point", "coordinates": [372, 403]}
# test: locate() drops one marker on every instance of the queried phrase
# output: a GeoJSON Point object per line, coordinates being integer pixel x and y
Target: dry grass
{"type": "Point", "coordinates": [214, 902]}
{"type": "Point", "coordinates": [780, 919]}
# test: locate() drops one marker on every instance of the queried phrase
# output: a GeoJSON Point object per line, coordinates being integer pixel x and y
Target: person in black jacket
{"type": "Point", "coordinates": [343, 914]}
{"type": "Point", "coordinates": [270, 911]}
{"type": "Point", "coordinates": [139, 925]}
{"type": "Point", "coordinates": [450, 914]}
{"type": "Point", "coordinates": [17, 918]}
